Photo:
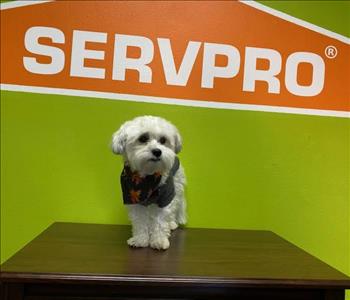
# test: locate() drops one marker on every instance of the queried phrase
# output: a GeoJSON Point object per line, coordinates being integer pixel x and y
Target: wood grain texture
{"type": "Point", "coordinates": [87, 253]}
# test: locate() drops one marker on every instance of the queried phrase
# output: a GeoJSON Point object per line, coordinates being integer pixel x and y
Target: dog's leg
{"type": "Point", "coordinates": [181, 216]}
{"type": "Point", "coordinates": [139, 218]}
{"type": "Point", "coordinates": [179, 200]}
{"type": "Point", "coordinates": [177, 213]}
{"type": "Point", "coordinates": [173, 224]}
{"type": "Point", "coordinates": [159, 228]}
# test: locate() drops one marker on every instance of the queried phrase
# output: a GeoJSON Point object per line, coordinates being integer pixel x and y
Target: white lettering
{"type": "Point", "coordinates": [172, 77]}
{"type": "Point", "coordinates": [80, 53]}
{"type": "Point", "coordinates": [210, 71]}
{"type": "Point", "coordinates": [121, 62]}
{"type": "Point", "coordinates": [318, 74]}
{"type": "Point", "coordinates": [251, 74]}
{"type": "Point", "coordinates": [31, 43]}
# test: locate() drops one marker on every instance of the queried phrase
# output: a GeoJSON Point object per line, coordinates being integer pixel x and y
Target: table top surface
{"type": "Point", "coordinates": [99, 253]}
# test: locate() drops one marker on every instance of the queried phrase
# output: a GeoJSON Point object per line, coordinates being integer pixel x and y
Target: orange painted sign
{"type": "Point", "coordinates": [216, 51]}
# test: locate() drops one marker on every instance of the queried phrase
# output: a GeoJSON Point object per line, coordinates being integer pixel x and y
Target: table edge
{"type": "Point", "coordinates": [171, 280]}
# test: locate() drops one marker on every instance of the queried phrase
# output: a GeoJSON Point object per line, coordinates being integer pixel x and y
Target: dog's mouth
{"type": "Point", "coordinates": [154, 159]}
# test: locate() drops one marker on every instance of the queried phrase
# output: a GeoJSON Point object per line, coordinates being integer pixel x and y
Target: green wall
{"type": "Point", "coordinates": [308, 222]}
{"type": "Point", "coordinates": [286, 173]}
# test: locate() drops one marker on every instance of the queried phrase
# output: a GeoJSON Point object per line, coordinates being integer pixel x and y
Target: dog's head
{"type": "Point", "coordinates": [148, 144]}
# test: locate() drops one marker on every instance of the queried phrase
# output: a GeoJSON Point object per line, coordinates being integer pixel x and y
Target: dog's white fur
{"type": "Point", "coordinates": [152, 225]}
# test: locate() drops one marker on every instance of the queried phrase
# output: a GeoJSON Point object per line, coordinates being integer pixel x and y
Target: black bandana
{"type": "Point", "coordinates": [146, 190]}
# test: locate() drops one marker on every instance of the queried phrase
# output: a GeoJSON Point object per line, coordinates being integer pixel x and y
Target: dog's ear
{"type": "Point", "coordinates": [119, 139]}
{"type": "Point", "coordinates": [178, 142]}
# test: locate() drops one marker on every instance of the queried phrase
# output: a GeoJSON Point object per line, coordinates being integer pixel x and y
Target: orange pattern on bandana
{"type": "Point", "coordinates": [136, 178]}
{"type": "Point", "coordinates": [135, 196]}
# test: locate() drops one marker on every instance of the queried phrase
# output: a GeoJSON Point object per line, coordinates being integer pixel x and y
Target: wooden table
{"type": "Point", "coordinates": [85, 261]}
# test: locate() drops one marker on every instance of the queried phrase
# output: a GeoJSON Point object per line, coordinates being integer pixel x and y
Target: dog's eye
{"type": "Point", "coordinates": [143, 138]}
{"type": "Point", "coordinates": [162, 140]}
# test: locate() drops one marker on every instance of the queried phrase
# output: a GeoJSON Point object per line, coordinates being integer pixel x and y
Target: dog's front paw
{"type": "Point", "coordinates": [173, 225]}
{"type": "Point", "coordinates": [159, 242]}
{"type": "Point", "coordinates": [138, 241]}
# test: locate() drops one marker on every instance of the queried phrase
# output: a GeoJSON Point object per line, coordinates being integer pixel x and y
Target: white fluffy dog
{"type": "Point", "coordinates": [152, 180]}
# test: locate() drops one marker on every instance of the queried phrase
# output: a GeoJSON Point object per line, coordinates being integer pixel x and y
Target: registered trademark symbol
{"type": "Point", "coordinates": [331, 52]}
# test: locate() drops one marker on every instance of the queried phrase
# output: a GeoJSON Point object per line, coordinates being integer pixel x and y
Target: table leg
{"type": "Point", "coordinates": [12, 291]}
{"type": "Point", "coordinates": [334, 295]}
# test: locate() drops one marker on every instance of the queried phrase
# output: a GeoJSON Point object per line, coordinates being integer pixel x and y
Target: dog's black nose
{"type": "Point", "coordinates": [157, 152]}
